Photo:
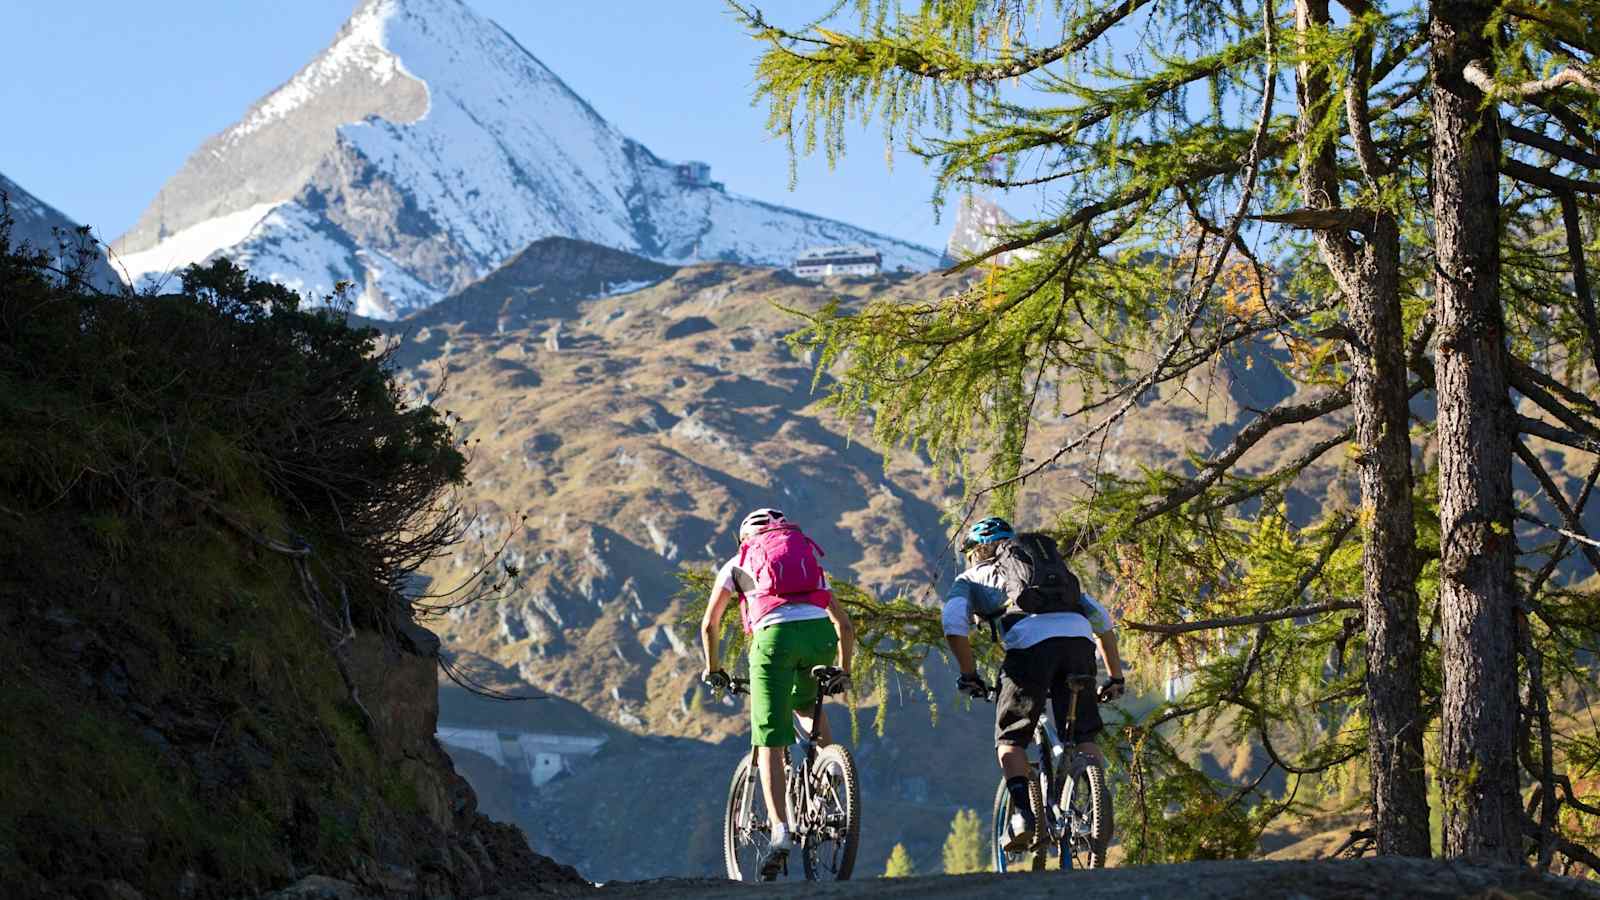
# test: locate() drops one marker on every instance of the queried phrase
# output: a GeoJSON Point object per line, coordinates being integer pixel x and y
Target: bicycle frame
{"type": "Point", "coordinates": [798, 798]}
{"type": "Point", "coordinates": [1056, 768]}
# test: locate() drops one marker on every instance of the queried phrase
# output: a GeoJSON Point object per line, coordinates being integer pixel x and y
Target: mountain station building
{"type": "Point", "coordinates": [855, 259]}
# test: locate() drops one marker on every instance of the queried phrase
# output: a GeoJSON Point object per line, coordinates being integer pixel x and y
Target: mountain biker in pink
{"type": "Point", "coordinates": [795, 624]}
{"type": "Point", "coordinates": [1041, 651]}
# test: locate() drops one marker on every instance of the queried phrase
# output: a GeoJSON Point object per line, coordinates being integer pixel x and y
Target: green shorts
{"type": "Point", "coordinates": [781, 657]}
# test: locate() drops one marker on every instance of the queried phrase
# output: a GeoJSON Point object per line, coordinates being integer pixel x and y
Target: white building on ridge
{"type": "Point", "coordinates": [855, 259]}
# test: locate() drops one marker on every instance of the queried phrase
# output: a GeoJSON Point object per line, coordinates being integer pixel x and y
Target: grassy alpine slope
{"type": "Point", "coordinates": [212, 687]}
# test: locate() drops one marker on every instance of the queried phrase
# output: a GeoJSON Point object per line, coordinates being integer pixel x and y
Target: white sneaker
{"type": "Point", "coordinates": [782, 839]}
{"type": "Point", "coordinates": [1022, 830]}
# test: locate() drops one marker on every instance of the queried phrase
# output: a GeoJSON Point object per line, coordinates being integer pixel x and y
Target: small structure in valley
{"type": "Point", "coordinates": [541, 756]}
{"type": "Point", "coordinates": [854, 259]}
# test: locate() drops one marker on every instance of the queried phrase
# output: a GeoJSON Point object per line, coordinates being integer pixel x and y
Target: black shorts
{"type": "Point", "coordinates": [1030, 675]}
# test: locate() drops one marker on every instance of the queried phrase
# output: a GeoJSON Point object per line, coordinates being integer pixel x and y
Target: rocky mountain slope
{"type": "Point", "coordinates": [425, 147]}
{"type": "Point", "coordinates": [979, 220]}
{"type": "Point", "coordinates": [633, 411]}
{"type": "Point", "coordinates": [43, 227]}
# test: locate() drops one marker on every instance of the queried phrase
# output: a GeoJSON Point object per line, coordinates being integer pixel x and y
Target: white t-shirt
{"type": "Point", "coordinates": [733, 574]}
{"type": "Point", "coordinates": [984, 579]}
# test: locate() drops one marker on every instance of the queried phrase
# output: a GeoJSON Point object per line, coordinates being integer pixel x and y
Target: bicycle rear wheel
{"type": "Point", "coordinates": [834, 829]}
{"type": "Point", "coordinates": [746, 834]}
{"type": "Point", "coordinates": [1016, 860]}
{"type": "Point", "coordinates": [1089, 820]}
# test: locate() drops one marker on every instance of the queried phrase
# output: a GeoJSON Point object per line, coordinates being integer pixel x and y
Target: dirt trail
{"type": "Point", "coordinates": [1425, 879]}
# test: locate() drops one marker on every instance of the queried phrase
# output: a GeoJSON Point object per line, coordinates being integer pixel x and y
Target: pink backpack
{"type": "Point", "coordinates": [786, 566]}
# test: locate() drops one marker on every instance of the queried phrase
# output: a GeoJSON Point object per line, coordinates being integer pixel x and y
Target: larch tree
{"type": "Point", "coordinates": [963, 846]}
{"type": "Point", "coordinates": [899, 864]}
{"type": "Point", "coordinates": [1107, 303]}
{"type": "Point", "coordinates": [1515, 122]}
{"type": "Point", "coordinates": [1232, 182]}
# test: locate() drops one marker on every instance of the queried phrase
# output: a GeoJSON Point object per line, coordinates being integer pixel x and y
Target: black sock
{"type": "Point", "coordinates": [1018, 786]}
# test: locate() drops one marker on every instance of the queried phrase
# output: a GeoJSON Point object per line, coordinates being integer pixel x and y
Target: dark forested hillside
{"type": "Point", "coordinates": [213, 689]}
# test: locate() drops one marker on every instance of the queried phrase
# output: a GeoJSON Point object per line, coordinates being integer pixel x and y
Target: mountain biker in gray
{"type": "Point", "coordinates": [1041, 650]}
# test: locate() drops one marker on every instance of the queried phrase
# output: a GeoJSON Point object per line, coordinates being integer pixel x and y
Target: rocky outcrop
{"type": "Point", "coordinates": [978, 226]}
{"type": "Point", "coordinates": [466, 855]}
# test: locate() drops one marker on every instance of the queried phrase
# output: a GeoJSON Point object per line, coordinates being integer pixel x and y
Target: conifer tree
{"type": "Point", "coordinates": [963, 847]}
{"type": "Point", "coordinates": [1199, 216]}
{"type": "Point", "coordinates": [899, 864]}
{"type": "Point", "coordinates": [1515, 116]}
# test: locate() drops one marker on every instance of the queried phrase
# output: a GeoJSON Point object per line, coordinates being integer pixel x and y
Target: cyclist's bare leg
{"type": "Point", "coordinates": [824, 734]}
{"type": "Point", "coordinates": [774, 764]}
{"type": "Point", "coordinates": [1013, 760]}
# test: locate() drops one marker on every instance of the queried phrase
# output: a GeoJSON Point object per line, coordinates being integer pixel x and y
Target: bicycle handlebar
{"type": "Point", "coordinates": [991, 693]}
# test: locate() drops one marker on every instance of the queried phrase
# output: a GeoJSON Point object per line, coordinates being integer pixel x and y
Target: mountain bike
{"type": "Point", "coordinates": [1070, 800]}
{"type": "Point", "coordinates": [824, 804]}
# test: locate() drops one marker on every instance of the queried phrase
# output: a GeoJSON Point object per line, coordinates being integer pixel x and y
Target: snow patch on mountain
{"type": "Point", "coordinates": [195, 243]}
{"type": "Point", "coordinates": [420, 198]}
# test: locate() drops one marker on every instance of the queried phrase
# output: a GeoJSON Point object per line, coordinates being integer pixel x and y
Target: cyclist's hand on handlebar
{"type": "Point", "coordinates": [838, 684]}
{"type": "Point", "coordinates": [973, 685]}
{"type": "Point", "coordinates": [717, 679]}
{"type": "Point", "coordinates": [1113, 690]}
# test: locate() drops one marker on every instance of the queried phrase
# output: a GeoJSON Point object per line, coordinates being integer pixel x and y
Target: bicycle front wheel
{"type": "Point", "coordinates": [1089, 819]}
{"type": "Point", "coordinates": [746, 834]}
{"type": "Point", "coordinates": [834, 825]}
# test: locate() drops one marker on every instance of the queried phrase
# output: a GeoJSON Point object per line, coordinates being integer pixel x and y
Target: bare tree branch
{"type": "Point", "coordinates": [1359, 118]}
{"type": "Point", "coordinates": [1332, 219]}
{"type": "Point", "coordinates": [1523, 172]}
{"type": "Point", "coordinates": [1249, 436]}
{"type": "Point", "coordinates": [1550, 145]}
{"type": "Point", "coordinates": [1235, 621]}
{"type": "Point", "coordinates": [1477, 74]}
{"type": "Point", "coordinates": [1580, 274]}
{"type": "Point", "coordinates": [1574, 528]}
{"type": "Point", "coordinates": [1537, 386]}
{"type": "Point", "coordinates": [1556, 435]}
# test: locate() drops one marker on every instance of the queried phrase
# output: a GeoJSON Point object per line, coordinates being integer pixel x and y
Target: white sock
{"type": "Point", "coordinates": [780, 837]}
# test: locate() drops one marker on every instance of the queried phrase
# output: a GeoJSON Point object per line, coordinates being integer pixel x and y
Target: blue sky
{"type": "Point", "coordinates": [115, 96]}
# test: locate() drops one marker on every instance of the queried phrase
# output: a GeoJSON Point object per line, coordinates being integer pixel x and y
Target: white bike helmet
{"type": "Point", "coordinates": [759, 520]}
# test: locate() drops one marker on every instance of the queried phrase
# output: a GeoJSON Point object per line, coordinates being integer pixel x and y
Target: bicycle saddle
{"type": "Point", "coordinates": [825, 673]}
{"type": "Point", "coordinates": [1081, 682]}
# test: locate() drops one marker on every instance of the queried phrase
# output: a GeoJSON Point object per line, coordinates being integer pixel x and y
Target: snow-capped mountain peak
{"type": "Point", "coordinates": [423, 148]}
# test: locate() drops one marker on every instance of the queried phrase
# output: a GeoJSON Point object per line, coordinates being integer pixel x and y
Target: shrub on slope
{"type": "Point", "coordinates": [207, 503]}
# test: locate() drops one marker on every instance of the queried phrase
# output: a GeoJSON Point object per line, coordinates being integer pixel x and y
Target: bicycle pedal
{"type": "Point", "coordinates": [776, 861]}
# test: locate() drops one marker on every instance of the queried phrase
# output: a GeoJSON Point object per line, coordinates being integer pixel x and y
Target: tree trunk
{"type": "Point", "coordinates": [1477, 629]}
{"type": "Point", "coordinates": [1368, 276]}
{"type": "Point", "coordinates": [1388, 566]}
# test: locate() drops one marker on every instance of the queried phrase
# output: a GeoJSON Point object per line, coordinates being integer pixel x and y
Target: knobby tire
{"type": "Point", "coordinates": [1091, 796]}
{"type": "Point", "coordinates": [745, 836]}
{"type": "Point", "coordinates": [838, 792]}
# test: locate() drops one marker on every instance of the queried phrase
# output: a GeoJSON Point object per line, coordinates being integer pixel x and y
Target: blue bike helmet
{"type": "Point", "coordinates": [989, 530]}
